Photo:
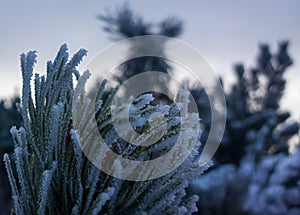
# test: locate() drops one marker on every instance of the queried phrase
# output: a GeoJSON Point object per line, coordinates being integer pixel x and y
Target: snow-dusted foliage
{"type": "Point", "coordinates": [254, 172]}
{"type": "Point", "coordinates": [270, 186]}
{"type": "Point", "coordinates": [53, 176]}
{"type": "Point", "coordinates": [275, 186]}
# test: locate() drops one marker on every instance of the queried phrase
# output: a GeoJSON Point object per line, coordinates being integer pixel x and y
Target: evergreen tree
{"type": "Point", "coordinates": [257, 131]}
{"type": "Point", "coordinates": [253, 167]}
{"type": "Point", "coordinates": [253, 172]}
{"type": "Point", "coordinates": [125, 24]}
{"type": "Point", "coordinates": [52, 174]}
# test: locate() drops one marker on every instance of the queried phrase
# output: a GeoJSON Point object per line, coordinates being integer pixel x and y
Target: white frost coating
{"type": "Point", "coordinates": [104, 197]}
{"type": "Point", "coordinates": [56, 162]}
{"type": "Point", "coordinates": [44, 189]}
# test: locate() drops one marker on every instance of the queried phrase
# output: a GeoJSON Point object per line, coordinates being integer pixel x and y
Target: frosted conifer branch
{"type": "Point", "coordinates": [53, 175]}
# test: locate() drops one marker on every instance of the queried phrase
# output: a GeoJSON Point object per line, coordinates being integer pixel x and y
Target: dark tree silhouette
{"type": "Point", "coordinates": [253, 103]}
{"type": "Point", "coordinates": [125, 24]}
{"type": "Point", "coordinates": [9, 116]}
{"type": "Point", "coordinates": [253, 157]}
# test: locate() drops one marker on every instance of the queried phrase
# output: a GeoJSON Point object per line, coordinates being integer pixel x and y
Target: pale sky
{"type": "Point", "coordinates": [224, 32]}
